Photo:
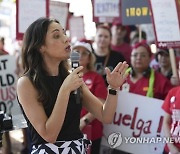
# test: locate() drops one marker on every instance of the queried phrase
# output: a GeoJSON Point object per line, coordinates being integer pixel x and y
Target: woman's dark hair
{"type": "Point", "coordinates": [32, 60]}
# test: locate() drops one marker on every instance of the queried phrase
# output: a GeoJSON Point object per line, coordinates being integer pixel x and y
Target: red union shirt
{"type": "Point", "coordinates": [97, 86]}
{"type": "Point", "coordinates": [161, 86]}
{"type": "Point", "coordinates": [171, 105]}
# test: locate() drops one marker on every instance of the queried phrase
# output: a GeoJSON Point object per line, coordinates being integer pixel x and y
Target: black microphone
{"type": "Point", "coordinates": [75, 56]}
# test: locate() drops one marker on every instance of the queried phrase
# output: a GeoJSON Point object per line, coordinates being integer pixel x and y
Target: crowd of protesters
{"type": "Point", "coordinates": [112, 44]}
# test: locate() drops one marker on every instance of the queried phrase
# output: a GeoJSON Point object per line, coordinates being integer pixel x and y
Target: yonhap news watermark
{"type": "Point", "coordinates": [116, 139]}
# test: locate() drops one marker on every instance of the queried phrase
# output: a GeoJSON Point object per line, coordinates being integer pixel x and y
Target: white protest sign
{"type": "Point", "coordinates": [59, 11]}
{"type": "Point", "coordinates": [8, 97]}
{"type": "Point", "coordinates": [76, 27]}
{"type": "Point", "coordinates": [166, 23]}
{"type": "Point", "coordinates": [136, 117]}
{"type": "Point", "coordinates": [106, 8]}
{"type": "Point", "coordinates": [29, 11]}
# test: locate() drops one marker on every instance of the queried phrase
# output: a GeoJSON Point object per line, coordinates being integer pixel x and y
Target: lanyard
{"type": "Point", "coordinates": [150, 92]}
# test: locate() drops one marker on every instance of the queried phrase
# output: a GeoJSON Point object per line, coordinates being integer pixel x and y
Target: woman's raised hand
{"type": "Point", "coordinates": [116, 78]}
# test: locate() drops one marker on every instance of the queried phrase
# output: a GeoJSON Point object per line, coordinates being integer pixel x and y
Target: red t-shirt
{"type": "Point", "coordinates": [171, 105]}
{"type": "Point", "coordinates": [125, 49]}
{"type": "Point", "coordinates": [161, 86]}
{"type": "Point", "coordinates": [97, 86]}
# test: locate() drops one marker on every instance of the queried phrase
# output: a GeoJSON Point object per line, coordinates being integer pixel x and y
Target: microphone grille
{"type": "Point", "coordinates": [75, 56]}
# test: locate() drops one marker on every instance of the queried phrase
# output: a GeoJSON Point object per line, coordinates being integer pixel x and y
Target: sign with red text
{"type": "Point", "coordinates": [8, 97]}
{"type": "Point", "coordinates": [106, 10]}
{"type": "Point", "coordinates": [27, 12]}
{"type": "Point", "coordinates": [59, 11]}
{"type": "Point", "coordinates": [166, 21]}
{"type": "Point", "coordinates": [137, 125]}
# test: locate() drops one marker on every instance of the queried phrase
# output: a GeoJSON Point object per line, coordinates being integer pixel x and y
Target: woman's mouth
{"type": "Point", "coordinates": [68, 48]}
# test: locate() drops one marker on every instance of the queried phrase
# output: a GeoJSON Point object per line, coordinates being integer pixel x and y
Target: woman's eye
{"type": "Point", "coordinates": [56, 36]}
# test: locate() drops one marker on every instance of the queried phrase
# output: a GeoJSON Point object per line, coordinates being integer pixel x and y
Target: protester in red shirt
{"type": "Point", "coordinates": [143, 80]}
{"type": "Point", "coordinates": [97, 86]}
{"type": "Point", "coordinates": [171, 123]}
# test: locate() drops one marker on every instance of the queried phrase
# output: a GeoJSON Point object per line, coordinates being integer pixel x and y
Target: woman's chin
{"type": "Point", "coordinates": [68, 55]}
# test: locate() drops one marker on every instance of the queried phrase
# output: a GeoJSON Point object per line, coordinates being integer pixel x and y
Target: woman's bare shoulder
{"type": "Point", "coordinates": [23, 81]}
{"type": "Point", "coordinates": [24, 85]}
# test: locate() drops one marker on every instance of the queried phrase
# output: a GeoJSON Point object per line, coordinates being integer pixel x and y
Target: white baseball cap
{"type": "Point", "coordinates": [83, 44]}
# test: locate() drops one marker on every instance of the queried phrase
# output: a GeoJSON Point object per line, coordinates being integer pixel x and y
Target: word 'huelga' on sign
{"type": "Point", "coordinates": [138, 126]}
{"type": "Point", "coordinates": [140, 11]}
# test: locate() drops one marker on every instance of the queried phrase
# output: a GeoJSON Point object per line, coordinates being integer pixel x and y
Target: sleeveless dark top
{"type": "Point", "coordinates": [70, 128]}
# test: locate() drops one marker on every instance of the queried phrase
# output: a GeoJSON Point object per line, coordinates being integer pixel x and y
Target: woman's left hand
{"type": "Point", "coordinates": [117, 77]}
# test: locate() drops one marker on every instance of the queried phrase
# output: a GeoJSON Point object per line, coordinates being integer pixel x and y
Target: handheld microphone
{"type": "Point", "coordinates": [75, 56]}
